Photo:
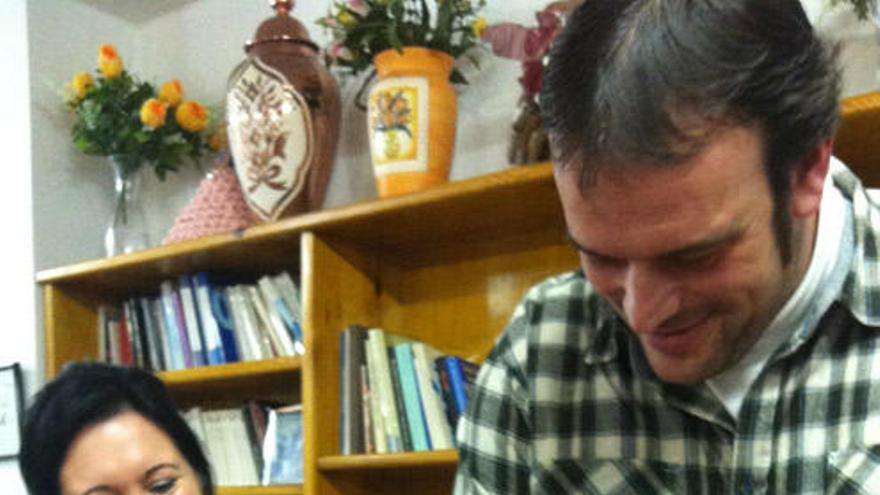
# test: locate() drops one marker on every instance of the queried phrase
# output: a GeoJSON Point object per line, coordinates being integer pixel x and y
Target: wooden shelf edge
{"type": "Point", "coordinates": [441, 458]}
{"type": "Point", "coordinates": [260, 490]}
{"type": "Point", "coordinates": [520, 176]}
{"type": "Point", "coordinates": [231, 371]}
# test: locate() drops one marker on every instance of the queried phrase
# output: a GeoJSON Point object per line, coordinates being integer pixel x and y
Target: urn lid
{"type": "Point", "coordinates": [281, 28]}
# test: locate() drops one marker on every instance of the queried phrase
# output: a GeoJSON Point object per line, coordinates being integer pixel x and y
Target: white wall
{"type": "Point", "coordinates": [17, 257]}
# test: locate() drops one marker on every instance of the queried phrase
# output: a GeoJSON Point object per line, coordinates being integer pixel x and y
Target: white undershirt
{"type": "Point", "coordinates": [732, 385]}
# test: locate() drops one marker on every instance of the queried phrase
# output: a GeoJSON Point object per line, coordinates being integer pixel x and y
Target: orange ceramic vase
{"type": "Point", "coordinates": [412, 113]}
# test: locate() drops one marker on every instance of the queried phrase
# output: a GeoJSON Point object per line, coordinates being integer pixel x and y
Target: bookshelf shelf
{"type": "Point", "coordinates": [445, 266]}
{"type": "Point", "coordinates": [260, 490]}
{"type": "Point", "coordinates": [442, 459]}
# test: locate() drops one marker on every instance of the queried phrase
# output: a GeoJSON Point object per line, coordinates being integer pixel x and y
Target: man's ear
{"type": "Point", "coordinates": [808, 179]}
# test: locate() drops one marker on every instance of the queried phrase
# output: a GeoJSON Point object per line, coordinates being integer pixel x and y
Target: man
{"type": "Point", "coordinates": [721, 337]}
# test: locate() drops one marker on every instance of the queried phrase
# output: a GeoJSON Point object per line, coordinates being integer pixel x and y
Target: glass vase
{"type": "Point", "coordinates": [127, 231]}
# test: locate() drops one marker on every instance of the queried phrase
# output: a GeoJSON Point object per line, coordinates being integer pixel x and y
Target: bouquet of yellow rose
{"type": "Point", "coordinates": [119, 115]}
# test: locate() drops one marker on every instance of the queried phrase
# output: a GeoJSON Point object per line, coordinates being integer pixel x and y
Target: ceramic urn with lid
{"type": "Point", "coordinates": [282, 110]}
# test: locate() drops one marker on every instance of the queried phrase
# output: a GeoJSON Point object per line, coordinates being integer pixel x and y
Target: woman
{"type": "Point", "coordinates": [105, 430]}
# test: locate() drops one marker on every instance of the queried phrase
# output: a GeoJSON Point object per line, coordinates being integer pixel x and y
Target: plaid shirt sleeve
{"type": "Point", "coordinates": [494, 434]}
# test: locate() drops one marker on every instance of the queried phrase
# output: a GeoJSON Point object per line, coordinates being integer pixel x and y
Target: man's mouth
{"type": "Point", "coordinates": [679, 339]}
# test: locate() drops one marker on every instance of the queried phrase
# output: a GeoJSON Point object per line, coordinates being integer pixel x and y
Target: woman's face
{"type": "Point", "coordinates": [126, 455]}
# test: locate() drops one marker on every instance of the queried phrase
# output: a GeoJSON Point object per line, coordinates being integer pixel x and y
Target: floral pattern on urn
{"type": "Point", "coordinates": [283, 120]}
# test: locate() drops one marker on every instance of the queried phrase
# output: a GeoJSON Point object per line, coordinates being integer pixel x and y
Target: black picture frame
{"type": "Point", "coordinates": [11, 407]}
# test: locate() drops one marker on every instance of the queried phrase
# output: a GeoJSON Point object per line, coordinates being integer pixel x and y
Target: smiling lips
{"type": "Point", "coordinates": [678, 341]}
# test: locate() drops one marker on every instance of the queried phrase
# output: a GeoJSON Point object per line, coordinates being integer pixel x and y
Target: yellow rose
{"type": "Point", "coordinates": [153, 113]}
{"type": "Point", "coordinates": [171, 92]}
{"type": "Point", "coordinates": [81, 83]}
{"type": "Point", "coordinates": [345, 18]}
{"type": "Point", "coordinates": [218, 140]}
{"type": "Point", "coordinates": [109, 62]}
{"type": "Point", "coordinates": [479, 27]}
{"type": "Point", "coordinates": [191, 116]}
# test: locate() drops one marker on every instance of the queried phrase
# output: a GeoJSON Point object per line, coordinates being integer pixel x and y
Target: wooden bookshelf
{"type": "Point", "coordinates": [261, 490]}
{"type": "Point", "coordinates": [446, 266]}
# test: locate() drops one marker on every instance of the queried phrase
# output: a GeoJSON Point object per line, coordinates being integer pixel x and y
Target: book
{"type": "Point", "coordinates": [415, 418]}
{"type": "Point", "coordinates": [431, 395]}
{"type": "Point", "coordinates": [253, 343]}
{"type": "Point", "coordinates": [265, 323]}
{"type": "Point", "coordinates": [156, 307]}
{"type": "Point", "coordinates": [215, 352]}
{"type": "Point", "coordinates": [366, 409]}
{"type": "Point", "coordinates": [255, 415]}
{"type": "Point", "coordinates": [156, 359]}
{"type": "Point", "coordinates": [351, 365]}
{"type": "Point", "coordinates": [377, 358]}
{"type": "Point", "coordinates": [290, 295]}
{"type": "Point", "coordinates": [461, 375]}
{"type": "Point", "coordinates": [133, 335]}
{"type": "Point", "coordinates": [123, 341]}
{"type": "Point", "coordinates": [374, 416]}
{"type": "Point", "coordinates": [218, 449]}
{"type": "Point", "coordinates": [222, 316]}
{"type": "Point", "coordinates": [271, 300]}
{"type": "Point", "coordinates": [244, 465]}
{"type": "Point", "coordinates": [103, 340]}
{"type": "Point", "coordinates": [170, 326]}
{"type": "Point", "coordinates": [191, 321]}
{"type": "Point", "coordinates": [283, 447]}
{"type": "Point", "coordinates": [406, 443]}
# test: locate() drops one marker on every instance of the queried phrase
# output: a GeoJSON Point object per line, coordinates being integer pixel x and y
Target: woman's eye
{"type": "Point", "coordinates": [163, 486]}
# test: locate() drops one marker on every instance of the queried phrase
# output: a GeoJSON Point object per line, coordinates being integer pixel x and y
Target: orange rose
{"type": "Point", "coordinates": [81, 83]}
{"type": "Point", "coordinates": [171, 92]}
{"type": "Point", "coordinates": [109, 62]}
{"type": "Point", "coordinates": [191, 116]}
{"type": "Point", "coordinates": [153, 113]}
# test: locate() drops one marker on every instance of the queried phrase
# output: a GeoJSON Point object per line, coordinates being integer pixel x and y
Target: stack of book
{"type": "Point", "coordinates": [193, 322]}
{"type": "Point", "coordinates": [398, 394]}
{"type": "Point", "coordinates": [256, 444]}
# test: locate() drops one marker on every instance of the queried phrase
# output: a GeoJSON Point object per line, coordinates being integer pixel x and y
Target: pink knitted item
{"type": "Point", "coordinates": [217, 208]}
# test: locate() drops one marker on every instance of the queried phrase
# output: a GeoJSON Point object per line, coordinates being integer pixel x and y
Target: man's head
{"type": "Point", "coordinates": [691, 139]}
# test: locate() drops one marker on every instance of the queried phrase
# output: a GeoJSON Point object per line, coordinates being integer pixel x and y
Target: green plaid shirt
{"type": "Point", "coordinates": [566, 404]}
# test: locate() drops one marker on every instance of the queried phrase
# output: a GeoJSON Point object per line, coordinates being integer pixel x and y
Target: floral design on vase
{"type": "Point", "coordinates": [270, 136]}
{"type": "Point", "coordinates": [398, 125]}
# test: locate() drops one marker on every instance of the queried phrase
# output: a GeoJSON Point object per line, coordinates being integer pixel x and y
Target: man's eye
{"type": "Point", "coordinates": [699, 261]}
{"type": "Point", "coordinates": [600, 261]}
{"type": "Point", "coordinates": [163, 486]}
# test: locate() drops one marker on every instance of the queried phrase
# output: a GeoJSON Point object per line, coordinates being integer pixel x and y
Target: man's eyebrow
{"type": "Point", "coordinates": [584, 249]}
{"type": "Point", "coordinates": [704, 245]}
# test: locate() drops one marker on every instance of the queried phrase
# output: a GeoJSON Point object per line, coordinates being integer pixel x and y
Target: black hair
{"type": "Point", "coordinates": [648, 82]}
{"type": "Point", "coordinates": [85, 394]}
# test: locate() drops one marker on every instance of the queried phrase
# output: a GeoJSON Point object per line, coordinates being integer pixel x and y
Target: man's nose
{"type": "Point", "coordinates": [650, 298]}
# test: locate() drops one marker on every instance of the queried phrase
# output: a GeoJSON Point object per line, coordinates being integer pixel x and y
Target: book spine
{"type": "Point", "coordinates": [134, 334]}
{"type": "Point", "coordinates": [219, 309]}
{"type": "Point", "coordinates": [149, 334]}
{"type": "Point", "coordinates": [446, 392]}
{"type": "Point", "coordinates": [366, 410]}
{"type": "Point", "coordinates": [431, 395]}
{"type": "Point", "coordinates": [351, 360]}
{"type": "Point", "coordinates": [172, 334]}
{"type": "Point", "coordinates": [406, 442]}
{"type": "Point", "coordinates": [379, 354]}
{"type": "Point", "coordinates": [126, 355]}
{"type": "Point", "coordinates": [214, 351]}
{"type": "Point", "coordinates": [379, 437]}
{"type": "Point", "coordinates": [191, 321]}
{"type": "Point", "coordinates": [185, 346]}
{"type": "Point", "coordinates": [456, 383]}
{"type": "Point", "coordinates": [411, 401]}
